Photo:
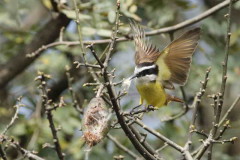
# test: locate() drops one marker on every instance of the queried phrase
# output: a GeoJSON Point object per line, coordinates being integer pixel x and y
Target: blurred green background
{"type": "Point", "coordinates": [20, 20]}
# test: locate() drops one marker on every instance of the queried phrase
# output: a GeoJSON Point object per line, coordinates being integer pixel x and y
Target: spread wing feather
{"type": "Point", "coordinates": [145, 51]}
{"type": "Point", "coordinates": [175, 60]}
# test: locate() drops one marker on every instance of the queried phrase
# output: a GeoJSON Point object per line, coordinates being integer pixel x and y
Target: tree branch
{"type": "Point", "coordinates": [195, 105]}
{"type": "Point", "coordinates": [46, 102]}
{"type": "Point", "coordinates": [16, 145]}
{"type": "Point", "coordinates": [229, 110]}
{"type": "Point", "coordinates": [160, 136]}
{"type": "Point", "coordinates": [122, 147]}
{"type": "Point", "coordinates": [213, 131]}
{"type": "Point", "coordinates": [113, 99]}
{"type": "Point", "coordinates": [178, 26]}
{"type": "Point", "coordinates": [15, 116]}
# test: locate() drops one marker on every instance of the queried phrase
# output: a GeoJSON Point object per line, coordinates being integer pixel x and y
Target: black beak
{"type": "Point", "coordinates": [134, 76]}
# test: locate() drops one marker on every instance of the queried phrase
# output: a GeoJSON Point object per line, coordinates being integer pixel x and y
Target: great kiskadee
{"type": "Point", "coordinates": [157, 70]}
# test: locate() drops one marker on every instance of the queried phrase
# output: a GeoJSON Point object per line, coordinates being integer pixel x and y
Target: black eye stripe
{"type": "Point", "coordinates": [148, 72]}
{"type": "Point", "coordinates": [144, 64]}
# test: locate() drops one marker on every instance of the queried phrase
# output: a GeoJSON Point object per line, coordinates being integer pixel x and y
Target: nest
{"type": "Point", "coordinates": [95, 122]}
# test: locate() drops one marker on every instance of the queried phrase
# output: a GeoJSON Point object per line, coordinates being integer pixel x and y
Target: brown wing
{"type": "Point", "coordinates": [145, 52]}
{"type": "Point", "coordinates": [176, 58]}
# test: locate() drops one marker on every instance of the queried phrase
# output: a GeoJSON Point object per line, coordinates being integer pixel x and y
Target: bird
{"type": "Point", "coordinates": [156, 70]}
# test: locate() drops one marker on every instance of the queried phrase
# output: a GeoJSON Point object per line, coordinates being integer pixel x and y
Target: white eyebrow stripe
{"type": "Point", "coordinates": [140, 69]}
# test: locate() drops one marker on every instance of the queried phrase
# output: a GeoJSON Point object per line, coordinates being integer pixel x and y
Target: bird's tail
{"type": "Point", "coordinates": [173, 98]}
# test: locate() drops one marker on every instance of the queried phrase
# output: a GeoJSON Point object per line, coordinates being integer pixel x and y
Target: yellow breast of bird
{"type": "Point", "coordinates": [152, 93]}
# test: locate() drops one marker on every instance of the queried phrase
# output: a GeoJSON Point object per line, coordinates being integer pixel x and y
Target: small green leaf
{"type": "Point", "coordinates": [88, 31]}
{"type": "Point", "coordinates": [72, 15]}
{"type": "Point", "coordinates": [104, 33]}
{"type": "Point", "coordinates": [111, 16]}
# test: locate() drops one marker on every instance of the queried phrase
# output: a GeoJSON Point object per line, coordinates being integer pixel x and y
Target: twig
{"type": "Point", "coordinates": [122, 147]}
{"type": "Point", "coordinates": [16, 145]}
{"type": "Point", "coordinates": [42, 77]}
{"type": "Point", "coordinates": [144, 110]}
{"type": "Point", "coordinates": [160, 136]}
{"type": "Point", "coordinates": [79, 30]}
{"type": "Point", "coordinates": [54, 133]}
{"type": "Point", "coordinates": [143, 141]}
{"type": "Point", "coordinates": [2, 153]}
{"type": "Point", "coordinates": [213, 131]}
{"type": "Point", "coordinates": [17, 106]}
{"type": "Point", "coordinates": [114, 37]}
{"type": "Point", "coordinates": [26, 152]}
{"type": "Point", "coordinates": [195, 105]}
{"type": "Point", "coordinates": [231, 140]}
{"type": "Point", "coordinates": [100, 89]}
{"type": "Point", "coordinates": [73, 95]}
{"type": "Point", "coordinates": [186, 23]}
{"type": "Point", "coordinates": [229, 110]}
{"type": "Point", "coordinates": [200, 133]}
{"type": "Point", "coordinates": [86, 65]}
{"type": "Point", "coordinates": [222, 131]}
{"type": "Point", "coordinates": [186, 107]}
{"type": "Point", "coordinates": [95, 55]}
{"type": "Point", "coordinates": [83, 52]}
{"type": "Point", "coordinates": [61, 34]}
{"type": "Point", "coordinates": [161, 148]}
{"type": "Point", "coordinates": [185, 152]}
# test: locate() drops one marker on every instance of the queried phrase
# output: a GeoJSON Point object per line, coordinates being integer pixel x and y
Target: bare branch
{"type": "Point", "coordinates": [16, 145]}
{"type": "Point", "coordinates": [95, 55]}
{"type": "Point", "coordinates": [86, 65]}
{"type": "Point", "coordinates": [229, 110]}
{"type": "Point", "coordinates": [195, 105]}
{"type": "Point", "coordinates": [160, 136]}
{"type": "Point", "coordinates": [186, 23]}
{"type": "Point", "coordinates": [46, 102]}
{"type": "Point", "coordinates": [122, 147]}
{"type": "Point", "coordinates": [72, 93]}
{"type": "Point", "coordinates": [17, 106]}
{"type": "Point", "coordinates": [213, 131]}
{"type": "Point", "coordinates": [143, 141]}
